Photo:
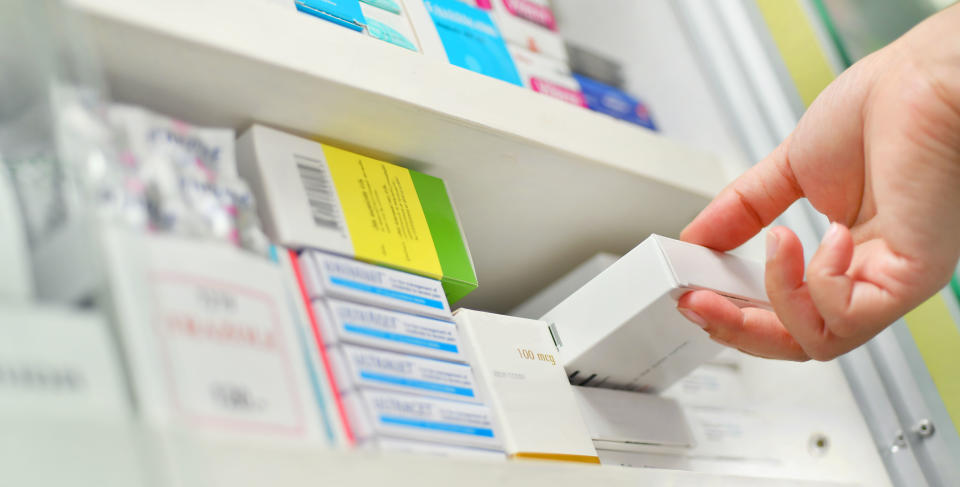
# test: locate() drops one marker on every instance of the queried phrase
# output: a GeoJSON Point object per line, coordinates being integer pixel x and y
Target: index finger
{"type": "Point", "coordinates": [747, 205]}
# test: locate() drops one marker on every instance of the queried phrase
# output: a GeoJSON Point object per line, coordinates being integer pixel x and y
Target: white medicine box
{"type": "Point", "coordinates": [623, 330]}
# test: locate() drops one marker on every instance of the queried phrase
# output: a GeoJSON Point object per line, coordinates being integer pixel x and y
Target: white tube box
{"type": "Point", "coordinates": [376, 414]}
{"type": "Point", "coordinates": [327, 275]}
{"type": "Point", "coordinates": [361, 368]}
{"type": "Point", "coordinates": [632, 421]}
{"type": "Point", "coordinates": [520, 375]}
{"type": "Point", "coordinates": [547, 76]}
{"type": "Point", "coordinates": [527, 23]}
{"type": "Point", "coordinates": [346, 322]}
{"type": "Point", "coordinates": [58, 362]}
{"type": "Point", "coordinates": [622, 329]}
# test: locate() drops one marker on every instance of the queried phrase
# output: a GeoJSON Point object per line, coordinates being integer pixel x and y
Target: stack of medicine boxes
{"type": "Point", "coordinates": [538, 51]}
{"type": "Point", "coordinates": [397, 359]}
{"type": "Point", "coordinates": [395, 356]}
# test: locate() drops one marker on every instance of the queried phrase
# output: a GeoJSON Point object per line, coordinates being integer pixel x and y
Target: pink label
{"type": "Point", "coordinates": [485, 4]}
{"type": "Point", "coordinates": [525, 9]}
{"type": "Point", "coordinates": [557, 91]}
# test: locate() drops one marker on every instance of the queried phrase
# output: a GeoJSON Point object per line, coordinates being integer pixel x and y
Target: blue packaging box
{"type": "Point", "coordinates": [342, 12]}
{"type": "Point", "coordinates": [471, 39]}
{"type": "Point", "coordinates": [606, 99]}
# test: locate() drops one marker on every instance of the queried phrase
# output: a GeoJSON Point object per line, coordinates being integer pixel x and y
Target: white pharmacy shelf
{"type": "Point", "coordinates": [540, 185]}
{"type": "Point", "coordinates": [118, 454]}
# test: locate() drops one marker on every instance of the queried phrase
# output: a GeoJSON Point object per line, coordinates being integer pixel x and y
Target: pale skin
{"type": "Point", "coordinates": [878, 153]}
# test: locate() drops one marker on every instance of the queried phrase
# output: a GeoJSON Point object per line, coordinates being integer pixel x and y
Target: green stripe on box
{"type": "Point", "coordinates": [459, 278]}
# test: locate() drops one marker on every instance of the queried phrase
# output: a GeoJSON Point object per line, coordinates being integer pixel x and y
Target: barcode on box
{"type": "Point", "coordinates": [320, 194]}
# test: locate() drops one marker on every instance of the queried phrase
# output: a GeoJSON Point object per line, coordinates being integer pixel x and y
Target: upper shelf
{"type": "Point", "coordinates": [540, 185]}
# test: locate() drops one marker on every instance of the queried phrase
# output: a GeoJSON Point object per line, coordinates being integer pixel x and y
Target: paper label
{"type": "Point", "coordinates": [224, 355]}
{"type": "Point", "coordinates": [383, 213]}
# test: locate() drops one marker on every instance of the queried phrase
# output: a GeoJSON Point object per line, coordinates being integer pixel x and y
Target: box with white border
{"type": "Point", "coordinates": [547, 76]}
{"type": "Point", "coordinates": [632, 421]}
{"type": "Point", "coordinates": [529, 24]}
{"type": "Point", "coordinates": [519, 372]}
{"type": "Point", "coordinates": [347, 322]}
{"type": "Point", "coordinates": [623, 330]}
{"type": "Point", "coordinates": [209, 339]}
{"type": "Point", "coordinates": [376, 414]}
{"type": "Point", "coordinates": [327, 275]}
{"type": "Point", "coordinates": [361, 368]}
{"type": "Point", "coordinates": [58, 362]}
{"type": "Point", "coordinates": [396, 21]}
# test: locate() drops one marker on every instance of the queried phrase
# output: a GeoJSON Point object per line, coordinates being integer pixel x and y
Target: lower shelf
{"type": "Point", "coordinates": [118, 453]}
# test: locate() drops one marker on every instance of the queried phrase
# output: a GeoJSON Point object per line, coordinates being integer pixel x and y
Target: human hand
{"type": "Point", "coordinates": [878, 152]}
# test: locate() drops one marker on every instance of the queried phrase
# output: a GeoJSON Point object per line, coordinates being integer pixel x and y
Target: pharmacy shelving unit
{"type": "Point", "coordinates": [539, 185]}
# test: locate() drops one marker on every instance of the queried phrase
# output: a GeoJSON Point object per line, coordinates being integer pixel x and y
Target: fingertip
{"type": "Point", "coordinates": [784, 266]}
{"type": "Point", "coordinates": [831, 289]}
{"type": "Point", "coordinates": [835, 253]}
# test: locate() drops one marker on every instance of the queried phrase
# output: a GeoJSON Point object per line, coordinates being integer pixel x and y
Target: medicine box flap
{"type": "Point", "coordinates": [696, 267]}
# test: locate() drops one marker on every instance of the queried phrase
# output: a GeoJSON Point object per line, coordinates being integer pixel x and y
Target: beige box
{"type": "Point", "coordinates": [520, 375]}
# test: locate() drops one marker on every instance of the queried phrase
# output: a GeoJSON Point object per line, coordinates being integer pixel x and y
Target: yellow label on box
{"type": "Point", "coordinates": [383, 213]}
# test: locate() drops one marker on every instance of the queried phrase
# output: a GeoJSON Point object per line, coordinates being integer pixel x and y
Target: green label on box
{"type": "Point", "coordinates": [459, 278]}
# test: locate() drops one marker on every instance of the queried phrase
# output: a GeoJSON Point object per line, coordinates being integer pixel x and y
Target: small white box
{"type": "Point", "coordinates": [347, 322]}
{"type": "Point", "coordinates": [327, 275]}
{"type": "Point", "coordinates": [59, 363]}
{"type": "Point", "coordinates": [628, 421]}
{"type": "Point", "coordinates": [381, 413]}
{"type": "Point", "coordinates": [623, 330]}
{"type": "Point", "coordinates": [210, 339]}
{"type": "Point", "coordinates": [529, 24]}
{"type": "Point", "coordinates": [361, 368]}
{"type": "Point", "coordinates": [398, 22]}
{"type": "Point", "coordinates": [547, 76]}
{"type": "Point", "coordinates": [395, 445]}
{"type": "Point", "coordinates": [520, 375]}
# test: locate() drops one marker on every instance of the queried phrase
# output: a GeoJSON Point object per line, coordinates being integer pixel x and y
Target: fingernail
{"type": "Point", "coordinates": [694, 317]}
{"type": "Point", "coordinates": [831, 233]}
{"type": "Point", "coordinates": [773, 241]}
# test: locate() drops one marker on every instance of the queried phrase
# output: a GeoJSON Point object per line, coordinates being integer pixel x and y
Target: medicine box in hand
{"type": "Point", "coordinates": [623, 330]}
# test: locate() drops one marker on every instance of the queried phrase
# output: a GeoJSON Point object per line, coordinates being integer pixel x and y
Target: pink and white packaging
{"type": "Point", "coordinates": [210, 339]}
{"type": "Point", "coordinates": [547, 76]}
{"type": "Point", "coordinates": [527, 23]}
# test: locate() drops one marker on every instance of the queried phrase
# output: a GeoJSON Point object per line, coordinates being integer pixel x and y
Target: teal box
{"type": "Point", "coordinates": [342, 12]}
{"type": "Point", "coordinates": [471, 39]}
